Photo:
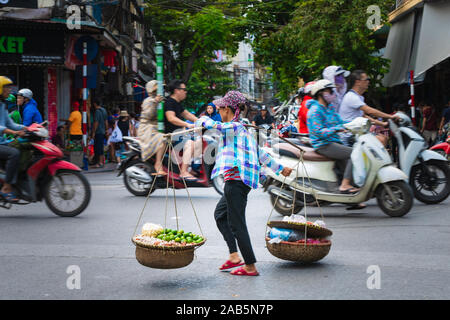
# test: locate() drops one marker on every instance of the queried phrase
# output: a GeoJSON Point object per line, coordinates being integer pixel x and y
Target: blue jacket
{"type": "Point", "coordinates": [323, 124]}
{"type": "Point", "coordinates": [215, 115]}
{"type": "Point", "coordinates": [31, 113]}
{"type": "Point", "coordinates": [6, 123]}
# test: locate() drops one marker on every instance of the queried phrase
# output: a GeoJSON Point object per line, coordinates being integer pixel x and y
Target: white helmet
{"type": "Point", "coordinates": [26, 93]}
{"type": "Point", "coordinates": [321, 85]}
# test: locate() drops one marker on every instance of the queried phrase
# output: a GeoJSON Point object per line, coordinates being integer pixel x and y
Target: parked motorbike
{"type": "Point", "coordinates": [443, 148]}
{"type": "Point", "coordinates": [138, 178]}
{"type": "Point", "coordinates": [427, 170]}
{"type": "Point", "coordinates": [316, 180]}
{"type": "Point", "coordinates": [42, 175]}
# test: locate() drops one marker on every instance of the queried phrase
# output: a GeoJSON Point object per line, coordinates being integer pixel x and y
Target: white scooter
{"type": "Point", "coordinates": [315, 178]}
{"type": "Point", "coordinates": [427, 170]}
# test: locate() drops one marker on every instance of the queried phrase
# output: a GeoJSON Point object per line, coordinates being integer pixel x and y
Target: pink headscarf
{"type": "Point", "coordinates": [232, 99]}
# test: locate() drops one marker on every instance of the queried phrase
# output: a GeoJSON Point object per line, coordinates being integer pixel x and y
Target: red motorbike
{"type": "Point", "coordinates": [138, 178]}
{"type": "Point", "coordinates": [43, 175]}
{"type": "Point", "coordinates": [443, 148]}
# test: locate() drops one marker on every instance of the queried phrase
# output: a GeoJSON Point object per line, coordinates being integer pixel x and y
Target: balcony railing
{"type": "Point", "coordinates": [398, 3]}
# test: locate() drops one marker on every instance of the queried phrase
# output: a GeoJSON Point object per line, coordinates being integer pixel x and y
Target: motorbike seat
{"type": "Point", "coordinates": [290, 151]}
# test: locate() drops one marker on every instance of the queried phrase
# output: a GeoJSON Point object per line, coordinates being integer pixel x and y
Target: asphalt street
{"type": "Point", "coordinates": [40, 253]}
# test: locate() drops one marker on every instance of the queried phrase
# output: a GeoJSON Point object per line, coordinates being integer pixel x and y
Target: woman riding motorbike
{"type": "Point", "coordinates": [324, 123]}
{"type": "Point", "coordinates": [150, 139]}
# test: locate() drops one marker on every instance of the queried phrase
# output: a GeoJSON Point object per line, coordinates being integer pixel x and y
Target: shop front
{"type": "Point", "coordinates": [32, 54]}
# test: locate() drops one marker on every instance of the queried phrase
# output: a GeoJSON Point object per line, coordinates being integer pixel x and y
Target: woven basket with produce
{"type": "Point", "coordinates": [161, 248]}
{"type": "Point", "coordinates": [296, 239]}
{"type": "Point", "coordinates": [164, 248]}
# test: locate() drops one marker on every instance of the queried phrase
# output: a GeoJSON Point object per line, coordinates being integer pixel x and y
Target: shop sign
{"type": "Point", "coordinates": [23, 46]}
{"type": "Point", "coordinates": [33, 4]}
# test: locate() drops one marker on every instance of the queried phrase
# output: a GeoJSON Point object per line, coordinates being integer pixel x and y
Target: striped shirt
{"type": "Point", "coordinates": [238, 149]}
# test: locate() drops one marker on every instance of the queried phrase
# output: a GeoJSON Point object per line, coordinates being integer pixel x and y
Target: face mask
{"type": "Point", "coordinates": [339, 80]}
{"type": "Point", "coordinates": [329, 98]}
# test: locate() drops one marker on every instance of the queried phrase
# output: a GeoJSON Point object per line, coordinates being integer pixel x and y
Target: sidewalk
{"type": "Point", "coordinates": [107, 168]}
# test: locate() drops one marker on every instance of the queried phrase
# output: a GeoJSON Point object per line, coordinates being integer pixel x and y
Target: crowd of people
{"type": "Point", "coordinates": [325, 105]}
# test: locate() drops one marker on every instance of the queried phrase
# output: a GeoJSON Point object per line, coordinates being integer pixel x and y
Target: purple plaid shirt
{"type": "Point", "coordinates": [238, 149]}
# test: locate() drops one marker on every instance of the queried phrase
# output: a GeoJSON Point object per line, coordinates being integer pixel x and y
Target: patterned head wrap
{"type": "Point", "coordinates": [232, 99]}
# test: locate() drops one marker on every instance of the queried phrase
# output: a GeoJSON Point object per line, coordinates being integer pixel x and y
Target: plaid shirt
{"type": "Point", "coordinates": [238, 149]}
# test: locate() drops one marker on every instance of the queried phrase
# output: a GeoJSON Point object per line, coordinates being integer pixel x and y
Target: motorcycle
{"type": "Point", "coordinates": [443, 148]}
{"type": "Point", "coordinates": [427, 170]}
{"type": "Point", "coordinates": [42, 175]}
{"type": "Point", "coordinates": [138, 178]}
{"type": "Point", "coordinates": [316, 181]}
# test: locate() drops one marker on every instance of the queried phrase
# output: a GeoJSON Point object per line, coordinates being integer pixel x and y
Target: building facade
{"type": "Point", "coordinates": [41, 48]}
{"type": "Point", "coordinates": [419, 42]}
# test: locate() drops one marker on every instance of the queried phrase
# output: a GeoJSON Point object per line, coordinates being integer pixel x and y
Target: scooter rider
{"type": "Point", "coordinates": [304, 108]}
{"type": "Point", "coordinates": [353, 105]}
{"type": "Point", "coordinates": [30, 111]}
{"type": "Point", "coordinates": [324, 123]}
{"type": "Point", "coordinates": [10, 154]}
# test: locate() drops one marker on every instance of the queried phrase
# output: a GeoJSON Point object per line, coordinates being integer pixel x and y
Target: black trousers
{"type": "Point", "coordinates": [12, 157]}
{"type": "Point", "coordinates": [230, 219]}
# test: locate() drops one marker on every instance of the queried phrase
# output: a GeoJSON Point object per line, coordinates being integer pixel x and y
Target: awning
{"type": "Point", "coordinates": [398, 50]}
{"type": "Point", "coordinates": [434, 42]}
{"type": "Point", "coordinates": [417, 42]}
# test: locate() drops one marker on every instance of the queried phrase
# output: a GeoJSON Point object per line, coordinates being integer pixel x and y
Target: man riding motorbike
{"type": "Point", "coordinates": [173, 112]}
{"type": "Point", "coordinates": [10, 154]}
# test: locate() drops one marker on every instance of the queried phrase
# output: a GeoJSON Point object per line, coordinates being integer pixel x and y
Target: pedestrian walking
{"type": "Point", "coordinates": [99, 133]}
{"type": "Point", "coordinates": [239, 160]}
{"type": "Point", "coordinates": [429, 123]}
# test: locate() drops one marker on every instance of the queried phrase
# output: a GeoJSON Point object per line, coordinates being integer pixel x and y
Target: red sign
{"type": "Point", "coordinates": [52, 101]}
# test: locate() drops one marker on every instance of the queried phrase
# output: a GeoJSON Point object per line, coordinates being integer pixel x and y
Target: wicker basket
{"type": "Point", "coordinates": [159, 257]}
{"type": "Point", "coordinates": [312, 230]}
{"type": "Point", "coordinates": [298, 252]}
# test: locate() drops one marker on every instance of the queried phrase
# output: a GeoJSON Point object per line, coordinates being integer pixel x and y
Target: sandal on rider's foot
{"type": "Point", "coordinates": [358, 206]}
{"type": "Point", "coordinates": [159, 174]}
{"type": "Point", "coordinates": [9, 197]}
{"type": "Point", "coordinates": [349, 191]}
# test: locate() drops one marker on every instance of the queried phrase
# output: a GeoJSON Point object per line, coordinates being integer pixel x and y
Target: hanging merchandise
{"type": "Point", "coordinates": [295, 238]}
{"type": "Point", "coordinates": [158, 246]}
{"type": "Point", "coordinates": [109, 58]}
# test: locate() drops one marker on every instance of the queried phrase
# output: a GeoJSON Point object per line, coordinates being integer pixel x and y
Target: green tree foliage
{"type": "Point", "coordinates": [298, 39]}
{"type": "Point", "coordinates": [191, 31]}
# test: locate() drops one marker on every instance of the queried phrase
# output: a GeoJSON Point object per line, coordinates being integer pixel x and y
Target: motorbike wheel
{"type": "Point", "coordinates": [68, 193]}
{"type": "Point", "coordinates": [402, 203]}
{"type": "Point", "coordinates": [135, 187]}
{"type": "Point", "coordinates": [283, 206]}
{"type": "Point", "coordinates": [434, 189]}
{"type": "Point", "coordinates": [219, 184]}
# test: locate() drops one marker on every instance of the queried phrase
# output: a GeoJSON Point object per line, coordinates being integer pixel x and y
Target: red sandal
{"type": "Point", "coordinates": [229, 265]}
{"type": "Point", "coordinates": [241, 272]}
